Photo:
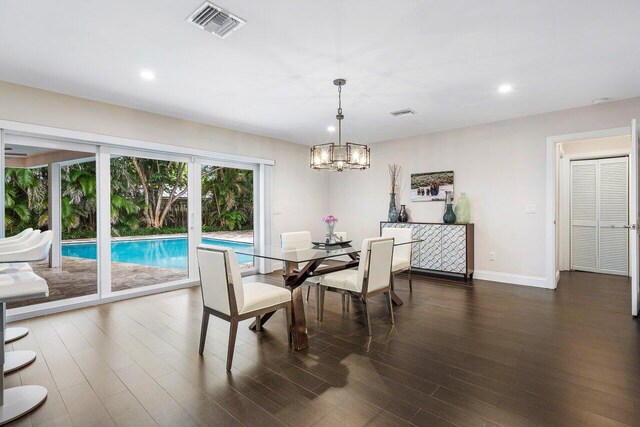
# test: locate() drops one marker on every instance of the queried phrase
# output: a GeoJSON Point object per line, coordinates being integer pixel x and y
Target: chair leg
{"type": "Point", "coordinates": [287, 318]}
{"type": "Point", "coordinates": [317, 301]}
{"type": "Point", "coordinates": [203, 330]}
{"type": "Point", "coordinates": [308, 292]}
{"type": "Point", "coordinates": [343, 301]}
{"type": "Point", "coordinates": [258, 324]}
{"type": "Point", "coordinates": [366, 317]}
{"type": "Point", "coordinates": [233, 331]}
{"type": "Point", "coordinates": [410, 281]}
{"type": "Point", "coordinates": [321, 304]}
{"type": "Point", "coordinates": [390, 301]}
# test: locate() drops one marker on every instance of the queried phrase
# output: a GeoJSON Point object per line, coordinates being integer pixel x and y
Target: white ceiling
{"type": "Point", "coordinates": [444, 59]}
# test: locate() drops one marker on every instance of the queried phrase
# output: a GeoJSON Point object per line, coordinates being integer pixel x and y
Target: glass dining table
{"type": "Point", "coordinates": [302, 264]}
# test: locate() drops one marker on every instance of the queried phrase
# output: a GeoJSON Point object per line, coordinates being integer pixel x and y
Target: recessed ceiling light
{"type": "Point", "coordinates": [147, 74]}
{"type": "Point", "coordinates": [331, 128]}
{"type": "Point", "coordinates": [505, 88]}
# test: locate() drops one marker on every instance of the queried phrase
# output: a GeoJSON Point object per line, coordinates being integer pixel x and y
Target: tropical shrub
{"type": "Point", "coordinates": [147, 197]}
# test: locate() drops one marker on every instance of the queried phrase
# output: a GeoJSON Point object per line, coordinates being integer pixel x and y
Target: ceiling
{"type": "Point", "coordinates": [273, 77]}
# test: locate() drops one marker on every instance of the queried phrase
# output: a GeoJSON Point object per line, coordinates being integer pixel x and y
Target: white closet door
{"type": "Point", "coordinates": [613, 194]}
{"type": "Point", "coordinates": [584, 231]}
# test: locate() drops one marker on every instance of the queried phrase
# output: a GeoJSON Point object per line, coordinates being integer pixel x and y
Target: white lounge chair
{"type": "Point", "coordinates": [35, 248]}
{"type": "Point", "coordinates": [23, 235]}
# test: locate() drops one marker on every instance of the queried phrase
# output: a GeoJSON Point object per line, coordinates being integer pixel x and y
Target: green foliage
{"type": "Point", "coordinates": [147, 197]}
{"type": "Point", "coordinates": [25, 199]}
{"type": "Point", "coordinates": [227, 198]}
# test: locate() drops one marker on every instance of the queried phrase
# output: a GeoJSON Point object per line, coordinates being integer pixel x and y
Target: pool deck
{"type": "Point", "coordinates": [78, 276]}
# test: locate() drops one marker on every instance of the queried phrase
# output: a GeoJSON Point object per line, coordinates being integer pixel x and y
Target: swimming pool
{"type": "Point", "coordinates": [156, 252]}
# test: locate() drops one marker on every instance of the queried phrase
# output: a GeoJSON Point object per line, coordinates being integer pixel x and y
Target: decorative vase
{"type": "Point", "coordinates": [462, 211]}
{"type": "Point", "coordinates": [393, 212]}
{"type": "Point", "coordinates": [449, 216]}
{"type": "Point", "coordinates": [403, 216]}
{"type": "Point", "coordinates": [331, 235]}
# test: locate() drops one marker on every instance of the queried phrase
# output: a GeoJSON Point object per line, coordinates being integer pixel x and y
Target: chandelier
{"type": "Point", "coordinates": [340, 157]}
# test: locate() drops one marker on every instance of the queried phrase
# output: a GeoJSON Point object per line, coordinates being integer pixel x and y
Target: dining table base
{"type": "Point", "coordinates": [293, 279]}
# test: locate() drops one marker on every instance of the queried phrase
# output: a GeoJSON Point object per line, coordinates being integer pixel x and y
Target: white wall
{"type": "Point", "coordinates": [501, 167]}
{"type": "Point", "coordinates": [300, 194]}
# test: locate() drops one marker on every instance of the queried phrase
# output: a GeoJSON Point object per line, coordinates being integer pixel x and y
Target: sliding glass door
{"type": "Point", "coordinates": [149, 220]}
{"type": "Point", "coordinates": [50, 186]}
{"type": "Point", "coordinates": [125, 221]}
{"type": "Point", "coordinates": [228, 208]}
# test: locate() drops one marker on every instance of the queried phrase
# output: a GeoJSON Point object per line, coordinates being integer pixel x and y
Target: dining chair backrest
{"type": "Point", "coordinates": [219, 274]}
{"type": "Point", "coordinates": [295, 240]}
{"type": "Point", "coordinates": [21, 244]}
{"type": "Point", "coordinates": [401, 235]}
{"type": "Point", "coordinates": [20, 237]}
{"type": "Point", "coordinates": [376, 256]}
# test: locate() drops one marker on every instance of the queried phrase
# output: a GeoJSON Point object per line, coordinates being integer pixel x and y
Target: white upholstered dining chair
{"type": "Point", "coordinates": [224, 295]}
{"type": "Point", "coordinates": [373, 276]}
{"type": "Point", "coordinates": [401, 253]}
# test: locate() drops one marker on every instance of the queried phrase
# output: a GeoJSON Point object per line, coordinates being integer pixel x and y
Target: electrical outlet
{"type": "Point", "coordinates": [530, 208]}
{"type": "Point", "coordinates": [492, 256]}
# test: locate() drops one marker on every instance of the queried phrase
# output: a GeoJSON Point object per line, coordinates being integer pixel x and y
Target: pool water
{"type": "Point", "coordinates": [157, 252]}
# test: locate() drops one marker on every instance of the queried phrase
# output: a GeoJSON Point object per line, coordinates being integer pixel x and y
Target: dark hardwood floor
{"type": "Point", "coordinates": [487, 354]}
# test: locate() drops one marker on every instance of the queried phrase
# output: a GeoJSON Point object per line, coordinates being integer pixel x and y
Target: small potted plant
{"type": "Point", "coordinates": [330, 221]}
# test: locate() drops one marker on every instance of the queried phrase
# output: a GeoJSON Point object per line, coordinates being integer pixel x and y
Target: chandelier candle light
{"type": "Point", "coordinates": [340, 157]}
{"type": "Point", "coordinates": [330, 220]}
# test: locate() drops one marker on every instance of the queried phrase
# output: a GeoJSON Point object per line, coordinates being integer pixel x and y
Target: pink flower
{"type": "Point", "coordinates": [329, 219]}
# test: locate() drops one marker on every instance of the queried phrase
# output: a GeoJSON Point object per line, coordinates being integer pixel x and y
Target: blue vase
{"type": "Point", "coordinates": [393, 212]}
{"type": "Point", "coordinates": [449, 216]}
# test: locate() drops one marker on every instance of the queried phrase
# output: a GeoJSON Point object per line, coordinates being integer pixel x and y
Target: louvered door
{"type": "Point", "coordinates": [599, 215]}
{"type": "Point", "coordinates": [613, 195]}
{"type": "Point", "coordinates": [584, 215]}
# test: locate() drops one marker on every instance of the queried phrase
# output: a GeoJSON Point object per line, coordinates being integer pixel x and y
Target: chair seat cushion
{"type": "Point", "coordinates": [22, 285]}
{"type": "Point", "coordinates": [259, 295]}
{"type": "Point", "coordinates": [399, 265]}
{"type": "Point", "coordinates": [343, 279]}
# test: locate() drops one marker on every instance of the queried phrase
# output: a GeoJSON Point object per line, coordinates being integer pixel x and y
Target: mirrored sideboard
{"type": "Point", "coordinates": [445, 248]}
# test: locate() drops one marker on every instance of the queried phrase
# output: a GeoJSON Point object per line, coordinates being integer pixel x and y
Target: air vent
{"type": "Point", "coordinates": [215, 20]}
{"type": "Point", "coordinates": [402, 112]}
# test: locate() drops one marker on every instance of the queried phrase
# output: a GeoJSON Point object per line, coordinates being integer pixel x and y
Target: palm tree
{"type": "Point", "coordinates": [227, 197]}
{"type": "Point", "coordinates": [25, 199]}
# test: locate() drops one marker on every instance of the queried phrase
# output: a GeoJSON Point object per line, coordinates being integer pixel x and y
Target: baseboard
{"type": "Point", "coordinates": [515, 279]}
